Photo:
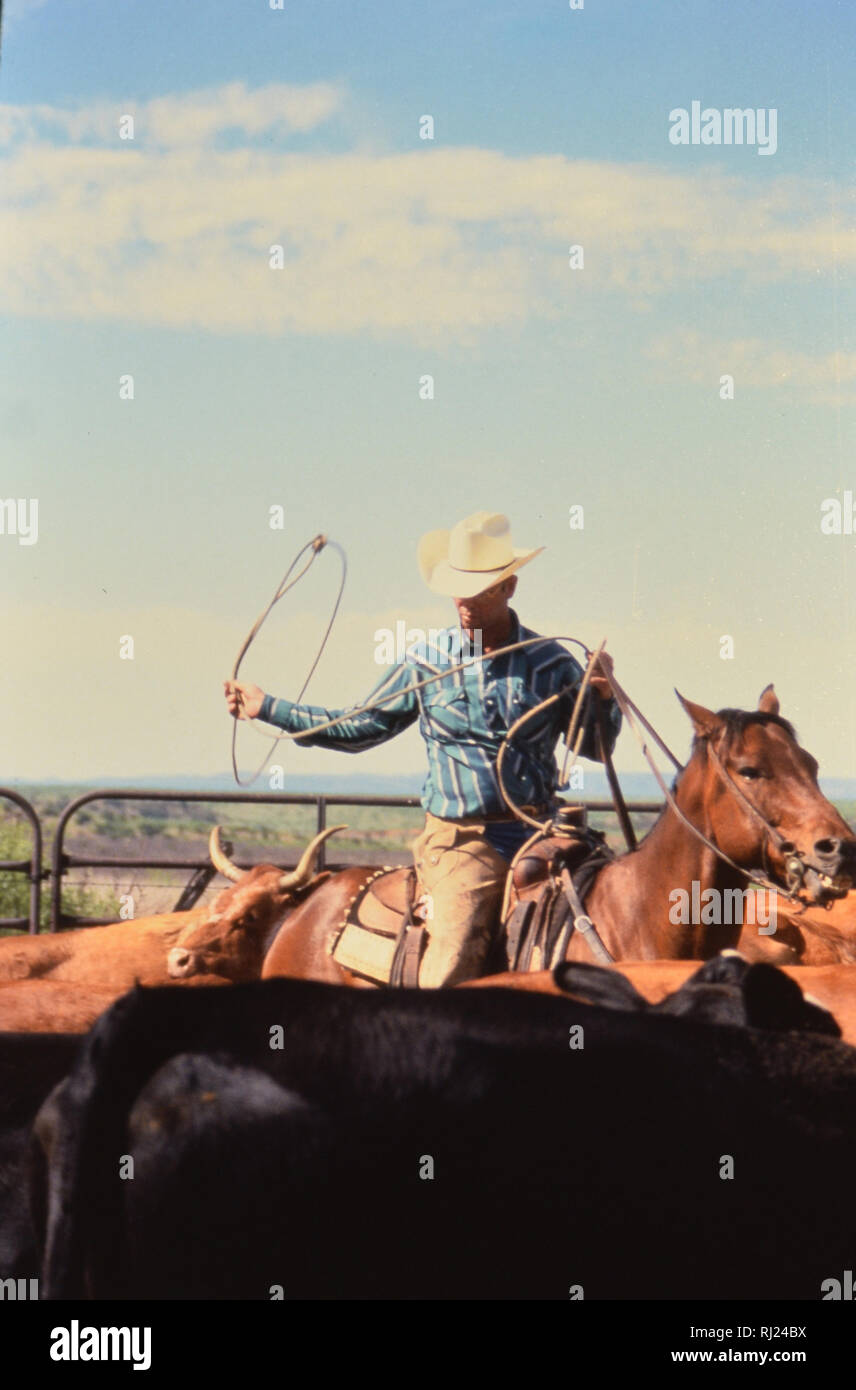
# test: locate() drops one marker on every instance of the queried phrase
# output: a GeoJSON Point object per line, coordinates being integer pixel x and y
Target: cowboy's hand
{"type": "Point", "coordinates": [244, 700]}
{"type": "Point", "coordinates": [598, 681]}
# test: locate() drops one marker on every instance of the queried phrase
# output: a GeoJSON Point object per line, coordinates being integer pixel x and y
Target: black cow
{"type": "Point", "coordinates": [726, 989]}
{"type": "Point", "coordinates": [31, 1064]}
{"type": "Point", "coordinates": [443, 1144]}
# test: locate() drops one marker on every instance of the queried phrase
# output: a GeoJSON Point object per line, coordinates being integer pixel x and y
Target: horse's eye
{"type": "Point", "coordinates": [750, 773]}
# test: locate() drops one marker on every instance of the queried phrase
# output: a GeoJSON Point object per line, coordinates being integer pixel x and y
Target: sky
{"type": "Point", "coordinates": [601, 385]}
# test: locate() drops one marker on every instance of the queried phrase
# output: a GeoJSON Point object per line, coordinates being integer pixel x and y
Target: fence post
{"type": "Point", "coordinates": [322, 825]}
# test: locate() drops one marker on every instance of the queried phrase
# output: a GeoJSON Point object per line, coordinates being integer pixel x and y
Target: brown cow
{"type": "Point", "coordinates": [150, 951]}
{"type": "Point", "coordinates": [111, 958]}
{"type": "Point", "coordinates": [817, 936]}
{"type": "Point", "coordinates": [234, 933]}
{"type": "Point", "coordinates": [61, 1006]}
{"type": "Point", "coordinates": [832, 986]}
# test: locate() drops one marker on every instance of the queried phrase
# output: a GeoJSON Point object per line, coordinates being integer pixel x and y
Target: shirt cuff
{"type": "Point", "coordinates": [266, 709]}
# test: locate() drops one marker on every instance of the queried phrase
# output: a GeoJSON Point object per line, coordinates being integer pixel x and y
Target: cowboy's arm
{"type": "Point", "coordinates": [354, 732]}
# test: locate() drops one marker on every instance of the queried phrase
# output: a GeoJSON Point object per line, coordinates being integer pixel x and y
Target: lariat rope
{"type": "Point", "coordinates": [628, 708]}
{"type": "Point", "coordinates": [378, 700]}
{"type": "Point", "coordinates": [314, 547]}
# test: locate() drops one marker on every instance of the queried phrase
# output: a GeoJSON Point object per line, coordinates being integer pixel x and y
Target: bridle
{"type": "Point", "coordinates": [797, 863]}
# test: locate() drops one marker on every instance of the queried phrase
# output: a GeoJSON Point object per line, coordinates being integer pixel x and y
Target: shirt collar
{"type": "Point", "coordinates": [451, 644]}
{"type": "Point", "coordinates": [515, 633]}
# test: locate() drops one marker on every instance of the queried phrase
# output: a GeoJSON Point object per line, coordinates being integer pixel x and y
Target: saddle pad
{"type": "Point", "coordinates": [370, 931]}
{"type": "Point", "coordinates": [367, 952]}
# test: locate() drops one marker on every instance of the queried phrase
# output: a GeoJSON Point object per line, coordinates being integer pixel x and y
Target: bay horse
{"type": "Point", "coordinates": [632, 899]}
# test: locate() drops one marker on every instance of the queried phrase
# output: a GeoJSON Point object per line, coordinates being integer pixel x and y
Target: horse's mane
{"type": "Point", "coordinates": [737, 721]}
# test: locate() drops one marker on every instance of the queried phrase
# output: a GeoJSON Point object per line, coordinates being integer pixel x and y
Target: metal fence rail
{"type": "Point", "coordinates": [61, 862]}
{"type": "Point", "coordinates": [201, 869]}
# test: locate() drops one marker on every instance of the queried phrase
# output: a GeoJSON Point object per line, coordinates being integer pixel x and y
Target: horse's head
{"type": "Point", "coordinates": [753, 791]}
{"type": "Point", "coordinates": [232, 938]}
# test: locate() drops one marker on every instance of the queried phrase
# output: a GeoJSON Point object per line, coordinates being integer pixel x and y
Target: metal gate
{"type": "Point", "coordinates": [201, 870]}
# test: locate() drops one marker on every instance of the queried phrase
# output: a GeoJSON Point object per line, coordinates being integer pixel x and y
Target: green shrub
{"type": "Point", "coordinates": [15, 843]}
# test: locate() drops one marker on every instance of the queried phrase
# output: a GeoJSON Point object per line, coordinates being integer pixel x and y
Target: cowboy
{"type": "Point", "coordinates": [470, 835]}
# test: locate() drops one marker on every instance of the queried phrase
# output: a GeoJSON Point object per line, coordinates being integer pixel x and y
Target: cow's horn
{"type": "Point", "coordinates": [295, 878]}
{"type": "Point", "coordinates": [223, 865]}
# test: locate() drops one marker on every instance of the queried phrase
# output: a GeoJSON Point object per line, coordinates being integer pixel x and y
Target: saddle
{"type": "Point", "coordinates": [545, 904]}
{"type": "Point", "coordinates": [383, 933]}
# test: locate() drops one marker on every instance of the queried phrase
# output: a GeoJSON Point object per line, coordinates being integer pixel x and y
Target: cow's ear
{"type": "Point", "coordinates": [728, 968]}
{"type": "Point", "coordinates": [773, 1000]}
{"type": "Point", "coordinates": [768, 702]}
{"type": "Point", "coordinates": [609, 989]}
{"type": "Point", "coordinates": [704, 721]}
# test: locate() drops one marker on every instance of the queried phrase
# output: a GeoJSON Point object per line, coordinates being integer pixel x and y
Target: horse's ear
{"type": "Point", "coordinates": [704, 721]}
{"type": "Point", "coordinates": [769, 701]}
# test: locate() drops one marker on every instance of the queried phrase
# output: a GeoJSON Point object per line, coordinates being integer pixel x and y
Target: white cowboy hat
{"type": "Point", "coordinates": [472, 556]}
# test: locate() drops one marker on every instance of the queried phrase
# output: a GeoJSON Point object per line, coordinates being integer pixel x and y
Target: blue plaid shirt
{"type": "Point", "coordinates": [463, 719]}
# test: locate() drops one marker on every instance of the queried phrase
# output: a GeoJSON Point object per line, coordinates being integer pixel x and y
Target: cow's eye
{"type": "Point", "coordinates": [750, 773]}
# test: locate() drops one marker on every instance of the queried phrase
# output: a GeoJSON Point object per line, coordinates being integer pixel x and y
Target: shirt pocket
{"type": "Point", "coordinates": [447, 713]}
{"type": "Point", "coordinates": [505, 701]}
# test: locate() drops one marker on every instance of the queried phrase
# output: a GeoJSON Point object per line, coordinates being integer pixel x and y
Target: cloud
{"type": "Point", "coordinates": [191, 119]}
{"type": "Point", "coordinates": [829, 379]}
{"type": "Point", "coordinates": [172, 229]}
